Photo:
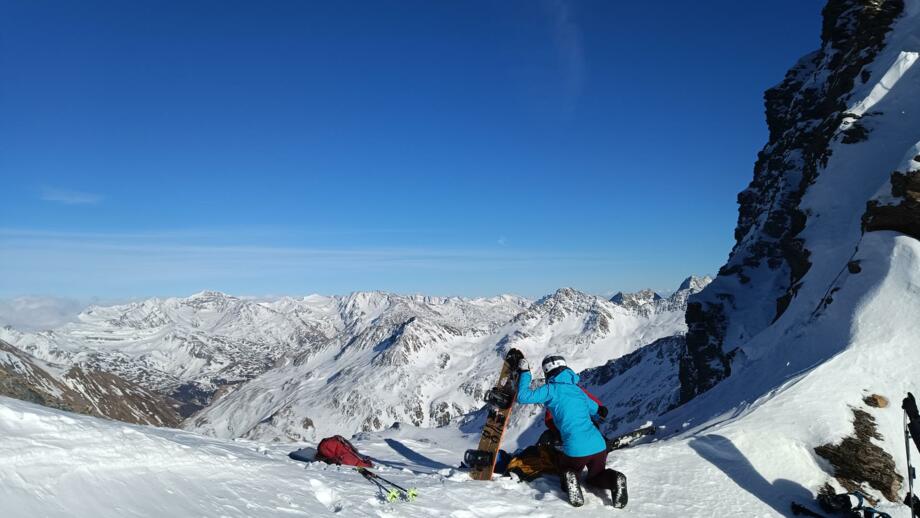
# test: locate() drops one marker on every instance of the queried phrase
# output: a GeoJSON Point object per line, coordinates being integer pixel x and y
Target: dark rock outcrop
{"type": "Point", "coordinates": [902, 216]}
{"type": "Point", "coordinates": [857, 460]}
{"type": "Point", "coordinates": [803, 116]}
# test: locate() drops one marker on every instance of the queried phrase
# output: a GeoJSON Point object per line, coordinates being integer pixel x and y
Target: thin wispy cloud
{"type": "Point", "coordinates": [97, 263]}
{"type": "Point", "coordinates": [15, 242]}
{"type": "Point", "coordinates": [235, 233]}
{"type": "Point", "coordinates": [570, 49]}
{"type": "Point", "coordinates": [69, 197]}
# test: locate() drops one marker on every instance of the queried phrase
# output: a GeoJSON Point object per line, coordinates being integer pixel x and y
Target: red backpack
{"type": "Point", "coordinates": [337, 450]}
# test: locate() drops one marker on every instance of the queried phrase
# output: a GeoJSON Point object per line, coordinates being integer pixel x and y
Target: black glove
{"type": "Point", "coordinates": [910, 407]}
{"type": "Point", "coordinates": [913, 502]}
{"type": "Point", "coordinates": [602, 411]}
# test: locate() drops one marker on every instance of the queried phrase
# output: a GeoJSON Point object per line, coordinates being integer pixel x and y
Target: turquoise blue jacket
{"type": "Point", "coordinates": [572, 411]}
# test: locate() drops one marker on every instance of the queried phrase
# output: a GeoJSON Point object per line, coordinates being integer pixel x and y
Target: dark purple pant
{"type": "Point", "coordinates": [598, 474]}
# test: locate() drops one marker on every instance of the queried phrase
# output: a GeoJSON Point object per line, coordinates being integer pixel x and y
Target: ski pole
{"type": "Point", "coordinates": [910, 469]}
{"type": "Point", "coordinates": [391, 483]}
{"type": "Point", "coordinates": [389, 494]}
{"type": "Point", "coordinates": [411, 493]}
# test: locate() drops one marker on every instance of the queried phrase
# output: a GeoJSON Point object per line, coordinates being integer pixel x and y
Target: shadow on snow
{"type": "Point", "coordinates": [722, 453]}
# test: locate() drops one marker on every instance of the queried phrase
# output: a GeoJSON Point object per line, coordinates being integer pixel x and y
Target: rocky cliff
{"type": "Point", "coordinates": [847, 99]}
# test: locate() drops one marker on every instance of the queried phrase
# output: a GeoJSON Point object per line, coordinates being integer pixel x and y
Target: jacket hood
{"type": "Point", "coordinates": [566, 376]}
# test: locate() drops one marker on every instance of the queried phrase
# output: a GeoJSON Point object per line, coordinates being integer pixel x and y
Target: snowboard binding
{"type": "Point", "coordinates": [477, 458]}
{"type": "Point", "coordinates": [854, 504]}
{"type": "Point", "coordinates": [500, 399]}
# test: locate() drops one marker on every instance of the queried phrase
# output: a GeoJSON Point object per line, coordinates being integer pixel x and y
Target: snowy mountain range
{"type": "Point", "coordinates": [426, 366]}
{"type": "Point", "coordinates": [292, 368]}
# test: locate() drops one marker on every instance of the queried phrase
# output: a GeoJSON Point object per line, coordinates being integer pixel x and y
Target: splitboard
{"type": "Point", "coordinates": [622, 441]}
{"type": "Point", "coordinates": [500, 399]}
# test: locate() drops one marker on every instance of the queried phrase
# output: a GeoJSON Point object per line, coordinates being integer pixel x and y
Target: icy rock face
{"type": "Point", "coordinates": [902, 212]}
{"type": "Point", "coordinates": [836, 98]}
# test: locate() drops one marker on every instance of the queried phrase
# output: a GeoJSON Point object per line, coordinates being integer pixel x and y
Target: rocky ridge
{"type": "Point", "coordinates": [76, 389]}
{"type": "Point", "coordinates": [833, 103]}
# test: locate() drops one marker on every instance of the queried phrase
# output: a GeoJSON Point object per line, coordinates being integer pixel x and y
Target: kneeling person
{"type": "Point", "coordinates": [583, 446]}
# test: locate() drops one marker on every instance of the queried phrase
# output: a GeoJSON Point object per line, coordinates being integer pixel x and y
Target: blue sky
{"type": "Point", "coordinates": [469, 148]}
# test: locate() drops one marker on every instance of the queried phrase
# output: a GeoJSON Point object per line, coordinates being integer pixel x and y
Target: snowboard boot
{"type": "Point", "coordinates": [573, 489]}
{"type": "Point", "coordinates": [618, 493]}
{"type": "Point", "coordinates": [843, 503]}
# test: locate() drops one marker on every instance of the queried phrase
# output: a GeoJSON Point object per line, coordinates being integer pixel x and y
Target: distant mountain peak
{"type": "Point", "coordinates": [566, 294]}
{"type": "Point", "coordinates": [210, 294]}
{"type": "Point", "coordinates": [646, 296]}
{"type": "Point", "coordinates": [695, 283]}
{"type": "Point", "coordinates": [647, 302]}
{"type": "Point", "coordinates": [209, 297]}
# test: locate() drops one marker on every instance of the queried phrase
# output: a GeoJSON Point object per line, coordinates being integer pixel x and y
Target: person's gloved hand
{"type": "Point", "coordinates": [523, 365]}
{"type": "Point", "coordinates": [602, 411]}
{"type": "Point", "coordinates": [910, 407]}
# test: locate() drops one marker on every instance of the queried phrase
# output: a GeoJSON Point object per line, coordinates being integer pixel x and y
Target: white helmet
{"type": "Point", "coordinates": [553, 365]}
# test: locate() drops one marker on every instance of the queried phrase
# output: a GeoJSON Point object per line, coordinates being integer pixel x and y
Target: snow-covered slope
{"type": "Point", "coordinates": [54, 464]}
{"type": "Point", "coordinates": [797, 383]}
{"type": "Point", "coordinates": [817, 306]}
{"type": "Point", "coordinates": [843, 119]}
{"type": "Point", "coordinates": [749, 446]}
{"type": "Point", "coordinates": [426, 366]}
